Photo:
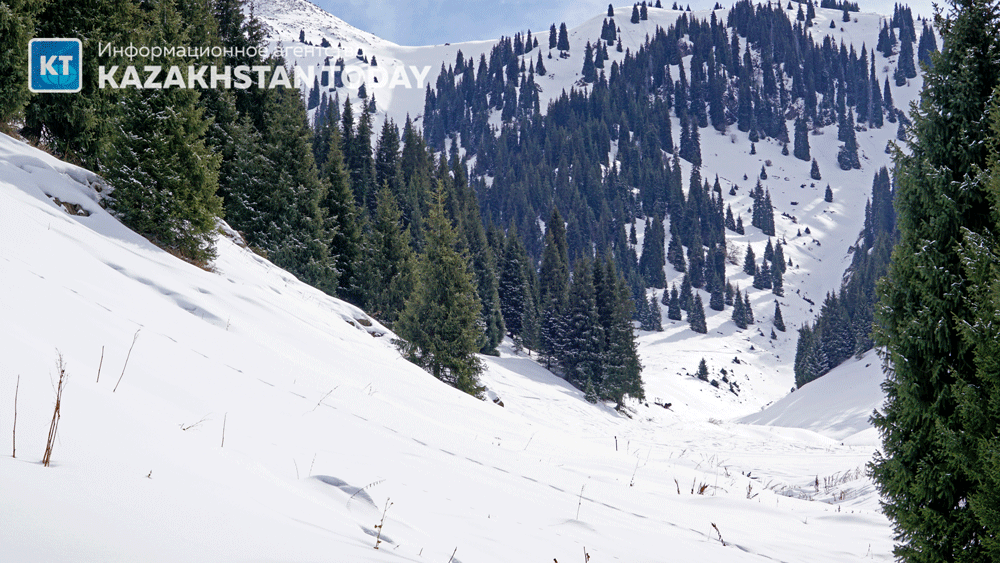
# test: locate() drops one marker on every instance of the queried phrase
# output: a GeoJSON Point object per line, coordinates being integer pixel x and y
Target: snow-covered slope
{"type": "Point", "coordinates": [819, 235]}
{"type": "Point", "coordinates": [256, 419]}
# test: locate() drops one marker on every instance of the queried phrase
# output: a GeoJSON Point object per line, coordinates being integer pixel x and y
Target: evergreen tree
{"type": "Point", "coordinates": [552, 37]}
{"type": "Point", "coordinates": [696, 316]}
{"type": "Point", "coordinates": [343, 221]}
{"type": "Point", "coordinates": [848, 155]}
{"type": "Point", "coordinates": [553, 282]}
{"type": "Point", "coordinates": [589, 70]}
{"type": "Point", "coordinates": [814, 172]}
{"type": "Point", "coordinates": [581, 358]}
{"type": "Point", "coordinates": [516, 300]}
{"type": "Point", "coordinates": [563, 38]}
{"type": "Point", "coordinates": [936, 469]}
{"type": "Point", "coordinates": [702, 372]}
{"type": "Point", "coordinates": [674, 307]}
{"type": "Point", "coordinates": [779, 323]}
{"type": "Point", "coordinates": [747, 309]}
{"type": "Point", "coordinates": [828, 194]}
{"type": "Point", "coordinates": [750, 262]}
{"type": "Point", "coordinates": [905, 65]}
{"type": "Point", "coordinates": [17, 26]}
{"type": "Point", "coordinates": [716, 301]}
{"type": "Point", "coordinates": [801, 140]}
{"type": "Point", "coordinates": [686, 294]}
{"type": "Point", "coordinates": [163, 174]}
{"type": "Point", "coordinates": [438, 325]}
{"type": "Point", "coordinates": [739, 311]}
{"type": "Point", "coordinates": [389, 272]}
{"type": "Point", "coordinates": [635, 13]}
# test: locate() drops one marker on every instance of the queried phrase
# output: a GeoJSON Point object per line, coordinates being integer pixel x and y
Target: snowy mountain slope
{"type": "Point", "coordinates": [252, 408]}
{"type": "Point", "coordinates": [847, 396]}
{"type": "Point", "coordinates": [819, 255]}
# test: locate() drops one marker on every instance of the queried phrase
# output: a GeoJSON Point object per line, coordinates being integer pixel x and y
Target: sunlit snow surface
{"type": "Point", "coordinates": [325, 423]}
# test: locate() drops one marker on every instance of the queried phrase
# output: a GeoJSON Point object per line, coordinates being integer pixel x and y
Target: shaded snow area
{"type": "Point", "coordinates": [257, 419]}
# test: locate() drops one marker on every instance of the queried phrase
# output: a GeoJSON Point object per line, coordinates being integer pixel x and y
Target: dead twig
{"type": "Point", "coordinates": [100, 365]}
{"type": "Point", "coordinates": [723, 542]}
{"type": "Point", "coordinates": [378, 537]}
{"type": "Point", "coordinates": [17, 388]}
{"type": "Point", "coordinates": [134, 338]}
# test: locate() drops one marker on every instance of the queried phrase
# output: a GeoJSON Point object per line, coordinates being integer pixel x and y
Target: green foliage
{"type": "Point", "coordinates": [389, 270]}
{"type": "Point", "coordinates": [82, 127]}
{"type": "Point", "coordinates": [696, 316]}
{"type": "Point", "coordinates": [438, 325]}
{"type": "Point", "coordinates": [163, 176]}
{"type": "Point", "coordinates": [17, 24]}
{"type": "Point", "coordinates": [936, 469]}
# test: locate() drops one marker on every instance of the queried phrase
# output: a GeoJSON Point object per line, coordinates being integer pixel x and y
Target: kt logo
{"type": "Point", "coordinates": [55, 65]}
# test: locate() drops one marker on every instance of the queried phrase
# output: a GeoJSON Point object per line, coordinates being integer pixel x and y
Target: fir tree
{"type": "Point", "coordinates": [696, 316]}
{"type": "Point", "coordinates": [674, 307]}
{"type": "Point", "coordinates": [747, 309]}
{"type": "Point", "coordinates": [343, 221]}
{"type": "Point", "coordinates": [801, 140]}
{"type": "Point", "coordinates": [739, 311]}
{"type": "Point", "coordinates": [936, 469]}
{"type": "Point", "coordinates": [635, 13]}
{"type": "Point", "coordinates": [814, 172]}
{"type": "Point", "coordinates": [17, 26]}
{"type": "Point", "coordinates": [553, 281]}
{"type": "Point", "coordinates": [828, 194]}
{"type": "Point", "coordinates": [563, 38]}
{"type": "Point", "coordinates": [438, 324]}
{"type": "Point", "coordinates": [750, 262]}
{"type": "Point", "coordinates": [389, 273]}
{"type": "Point", "coordinates": [702, 372]}
{"type": "Point", "coordinates": [779, 323]}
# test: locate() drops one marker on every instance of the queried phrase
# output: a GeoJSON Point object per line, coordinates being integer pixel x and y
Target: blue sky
{"type": "Point", "coordinates": [423, 22]}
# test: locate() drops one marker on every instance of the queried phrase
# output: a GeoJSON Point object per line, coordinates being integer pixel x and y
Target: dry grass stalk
{"type": "Point", "coordinates": [13, 452]}
{"type": "Point", "coordinates": [54, 427]}
{"type": "Point", "coordinates": [134, 338]}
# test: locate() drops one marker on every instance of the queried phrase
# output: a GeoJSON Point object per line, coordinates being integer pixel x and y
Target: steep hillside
{"type": "Point", "coordinates": [820, 235]}
{"type": "Point", "coordinates": [237, 414]}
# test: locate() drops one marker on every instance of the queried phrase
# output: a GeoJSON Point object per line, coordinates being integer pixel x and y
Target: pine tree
{"type": "Point", "coordinates": [696, 316]}
{"type": "Point", "coordinates": [674, 307]}
{"type": "Point", "coordinates": [389, 273]}
{"type": "Point", "coordinates": [828, 194]}
{"type": "Point", "coordinates": [552, 37]}
{"type": "Point", "coordinates": [17, 25]}
{"type": "Point", "coordinates": [801, 139]}
{"type": "Point", "coordinates": [438, 325]}
{"type": "Point", "coordinates": [814, 172]}
{"type": "Point", "coordinates": [750, 262]}
{"type": "Point", "coordinates": [686, 294]}
{"type": "Point", "coordinates": [702, 372]}
{"type": "Point", "coordinates": [343, 221]}
{"type": "Point", "coordinates": [540, 66]}
{"type": "Point", "coordinates": [747, 309]}
{"type": "Point", "coordinates": [779, 323]}
{"type": "Point", "coordinates": [655, 315]}
{"type": "Point", "coordinates": [739, 311]}
{"type": "Point", "coordinates": [716, 301]}
{"type": "Point", "coordinates": [164, 175]}
{"type": "Point", "coordinates": [553, 279]}
{"type": "Point", "coordinates": [581, 358]}
{"type": "Point", "coordinates": [589, 69]}
{"type": "Point", "coordinates": [848, 155]}
{"type": "Point", "coordinates": [936, 469]}
{"type": "Point", "coordinates": [635, 13]}
{"type": "Point", "coordinates": [563, 38]}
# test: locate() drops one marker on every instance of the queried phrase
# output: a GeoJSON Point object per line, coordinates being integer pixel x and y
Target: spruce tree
{"type": "Point", "coordinates": [164, 175]}
{"type": "Point", "coordinates": [750, 262]}
{"type": "Point", "coordinates": [814, 172]}
{"type": "Point", "coordinates": [553, 280]}
{"type": "Point", "coordinates": [635, 13]}
{"type": "Point", "coordinates": [801, 139]}
{"type": "Point", "coordinates": [747, 309]}
{"type": "Point", "coordinates": [779, 323]}
{"type": "Point", "coordinates": [438, 325]}
{"type": "Point", "coordinates": [343, 222]}
{"type": "Point", "coordinates": [563, 38]}
{"type": "Point", "coordinates": [582, 355]}
{"type": "Point", "coordinates": [389, 271]}
{"type": "Point", "coordinates": [739, 311]}
{"type": "Point", "coordinates": [936, 470]}
{"type": "Point", "coordinates": [17, 26]}
{"type": "Point", "coordinates": [674, 307]}
{"type": "Point", "coordinates": [702, 372]}
{"type": "Point", "coordinates": [696, 316]}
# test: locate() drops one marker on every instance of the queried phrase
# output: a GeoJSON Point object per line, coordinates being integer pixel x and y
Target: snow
{"type": "Point", "coordinates": [312, 406]}
{"type": "Point", "coordinates": [315, 404]}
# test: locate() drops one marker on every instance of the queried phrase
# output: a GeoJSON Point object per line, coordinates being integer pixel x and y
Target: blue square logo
{"type": "Point", "coordinates": [55, 65]}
